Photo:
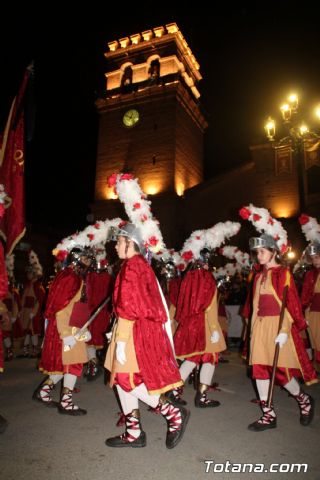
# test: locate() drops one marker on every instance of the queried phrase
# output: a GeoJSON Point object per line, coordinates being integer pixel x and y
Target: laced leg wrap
{"type": "Point", "coordinates": [172, 415]}
{"type": "Point", "coordinates": [45, 392]}
{"type": "Point", "coordinates": [132, 423]}
{"type": "Point", "coordinates": [268, 415]}
{"type": "Point", "coordinates": [266, 421]}
{"type": "Point", "coordinates": [304, 403]}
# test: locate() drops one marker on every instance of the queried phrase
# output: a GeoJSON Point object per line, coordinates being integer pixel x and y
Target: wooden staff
{"type": "Point", "coordinates": [277, 349]}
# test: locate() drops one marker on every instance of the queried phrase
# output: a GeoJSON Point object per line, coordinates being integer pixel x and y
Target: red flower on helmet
{"type": "Point", "coordinates": [244, 213]}
{"type": "Point", "coordinates": [187, 256]}
{"type": "Point", "coordinates": [270, 221]}
{"type": "Point", "coordinates": [97, 225]}
{"type": "Point", "coordinates": [153, 241]}
{"type": "Point", "coordinates": [256, 217]}
{"type": "Point", "coordinates": [181, 267]}
{"type": "Point", "coordinates": [126, 176]}
{"type": "Point", "coordinates": [122, 224]}
{"type": "Point", "coordinates": [112, 180]}
{"type": "Point", "coordinates": [136, 205]}
{"type": "Point", "coordinates": [90, 236]}
{"type": "Point", "coordinates": [303, 219]}
{"type": "Point", "coordinates": [62, 255]}
{"type": "Point", "coordinates": [284, 248]}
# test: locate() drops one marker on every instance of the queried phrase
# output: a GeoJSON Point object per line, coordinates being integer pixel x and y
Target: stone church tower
{"type": "Point", "coordinates": [150, 123]}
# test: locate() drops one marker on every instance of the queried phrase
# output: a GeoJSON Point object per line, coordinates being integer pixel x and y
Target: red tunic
{"type": "Point", "coordinates": [174, 287]}
{"type": "Point", "coordinates": [99, 286]}
{"type": "Point", "coordinates": [308, 287]}
{"type": "Point", "coordinates": [63, 288]}
{"type": "Point", "coordinates": [195, 295]}
{"type": "Point", "coordinates": [137, 297]}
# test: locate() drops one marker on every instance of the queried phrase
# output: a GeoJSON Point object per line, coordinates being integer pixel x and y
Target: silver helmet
{"type": "Point", "coordinates": [264, 241]}
{"type": "Point", "coordinates": [313, 249]}
{"type": "Point", "coordinates": [129, 230]}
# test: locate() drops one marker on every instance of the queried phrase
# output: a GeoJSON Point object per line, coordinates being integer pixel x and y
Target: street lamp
{"type": "Point", "coordinates": [297, 138]}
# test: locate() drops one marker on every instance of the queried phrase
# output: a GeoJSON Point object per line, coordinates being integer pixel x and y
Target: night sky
{"type": "Point", "coordinates": [250, 59]}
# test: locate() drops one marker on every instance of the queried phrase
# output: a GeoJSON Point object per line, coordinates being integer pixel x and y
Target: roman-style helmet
{"type": "Point", "coordinates": [201, 243]}
{"type": "Point", "coordinates": [84, 242]}
{"type": "Point", "coordinates": [311, 230]}
{"type": "Point", "coordinates": [129, 230]}
{"type": "Point", "coordinates": [143, 227]}
{"type": "Point", "coordinates": [273, 235]}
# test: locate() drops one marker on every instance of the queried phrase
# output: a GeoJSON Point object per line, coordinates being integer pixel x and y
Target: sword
{"type": "Point", "coordinates": [79, 333]}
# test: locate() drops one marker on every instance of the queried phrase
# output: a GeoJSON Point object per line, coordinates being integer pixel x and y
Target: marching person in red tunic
{"type": "Point", "coordinates": [268, 290]}
{"type": "Point", "coordinates": [310, 295]}
{"type": "Point", "coordinates": [68, 309]}
{"type": "Point", "coordinates": [63, 354]}
{"type": "Point", "coordinates": [199, 339]}
{"type": "Point", "coordinates": [140, 356]}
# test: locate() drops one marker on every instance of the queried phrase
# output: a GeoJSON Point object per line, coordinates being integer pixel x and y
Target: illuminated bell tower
{"type": "Point", "coordinates": [150, 121]}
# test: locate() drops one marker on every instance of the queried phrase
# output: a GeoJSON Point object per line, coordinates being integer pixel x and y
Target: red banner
{"type": "Point", "coordinates": [12, 224]}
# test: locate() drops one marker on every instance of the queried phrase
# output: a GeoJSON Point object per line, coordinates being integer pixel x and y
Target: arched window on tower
{"type": "Point", "coordinates": [154, 71]}
{"type": "Point", "coordinates": [126, 79]}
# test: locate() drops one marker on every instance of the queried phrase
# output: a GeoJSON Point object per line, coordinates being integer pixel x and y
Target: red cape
{"type": "Point", "coordinates": [63, 288]}
{"type": "Point", "coordinates": [137, 297]}
{"type": "Point", "coordinates": [308, 287]}
{"type": "Point", "coordinates": [195, 295]}
{"type": "Point", "coordinates": [99, 286]}
{"type": "Point", "coordinates": [174, 287]}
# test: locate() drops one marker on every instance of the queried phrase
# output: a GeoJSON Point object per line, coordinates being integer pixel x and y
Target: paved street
{"type": "Point", "coordinates": [41, 444]}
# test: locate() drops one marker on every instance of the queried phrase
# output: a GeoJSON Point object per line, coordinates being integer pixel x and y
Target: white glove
{"type": "Point", "coordinates": [13, 319]}
{"type": "Point", "coordinates": [84, 337]}
{"type": "Point", "coordinates": [215, 337]}
{"type": "Point", "coordinates": [109, 335]}
{"type": "Point", "coordinates": [87, 336]}
{"type": "Point", "coordinates": [69, 341]}
{"type": "Point", "coordinates": [282, 339]}
{"type": "Point", "coordinates": [121, 352]}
